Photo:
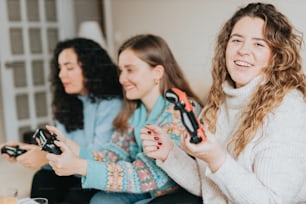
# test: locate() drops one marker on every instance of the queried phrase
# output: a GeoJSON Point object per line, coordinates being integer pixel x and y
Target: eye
{"type": "Point", "coordinates": [129, 70]}
{"type": "Point", "coordinates": [259, 44]}
{"type": "Point", "coordinates": [236, 40]}
{"type": "Point", "coordinates": [69, 68]}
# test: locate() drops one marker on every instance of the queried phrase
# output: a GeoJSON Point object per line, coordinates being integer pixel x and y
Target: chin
{"type": "Point", "coordinates": [131, 97]}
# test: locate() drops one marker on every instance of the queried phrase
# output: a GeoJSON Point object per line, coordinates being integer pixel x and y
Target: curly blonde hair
{"type": "Point", "coordinates": [284, 73]}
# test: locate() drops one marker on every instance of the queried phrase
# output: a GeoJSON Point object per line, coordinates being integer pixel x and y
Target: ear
{"type": "Point", "coordinates": [158, 71]}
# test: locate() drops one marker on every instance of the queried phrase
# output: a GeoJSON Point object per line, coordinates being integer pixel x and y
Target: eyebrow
{"type": "Point", "coordinates": [254, 38]}
{"type": "Point", "coordinates": [68, 63]}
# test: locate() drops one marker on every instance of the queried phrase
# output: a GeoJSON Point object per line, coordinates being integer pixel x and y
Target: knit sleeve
{"type": "Point", "coordinates": [183, 169]}
{"type": "Point", "coordinates": [116, 170]}
{"type": "Point", "coordinates": [122, 165]}
{"type": "Point", "coordinates": [275, 173]}
{"type": "Point", "coordinates": [140, 175]}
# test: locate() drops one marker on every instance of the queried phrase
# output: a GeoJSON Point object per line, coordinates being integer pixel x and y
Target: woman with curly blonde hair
{"type": "Point", "coordinates": [255, 117]}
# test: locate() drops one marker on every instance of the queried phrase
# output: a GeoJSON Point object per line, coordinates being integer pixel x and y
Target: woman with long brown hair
{"type": "Point", "coordinates": [121, 170]}
{"type": "Point", "coordinates": [254, 118]}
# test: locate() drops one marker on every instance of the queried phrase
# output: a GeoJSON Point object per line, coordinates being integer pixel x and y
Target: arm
{"type": "Point", "coordinates": [116, 169]}
{"type": "Point", "coordinates": [171, 158]}
{"type": "Point", "coordinates": [270, 170]}
{"type": "Point", "coordinates": [183, 169]}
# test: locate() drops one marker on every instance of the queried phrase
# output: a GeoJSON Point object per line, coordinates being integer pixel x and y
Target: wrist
{"type": "Point", "coordinates": [82, 167]}
{"type": "Point", "coordinates": [217, 162]}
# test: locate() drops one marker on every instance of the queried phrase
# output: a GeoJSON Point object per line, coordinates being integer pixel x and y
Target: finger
{"type": "Point", "coordinates": [61, 145]}
{"type": "Point", "coordinates": [154, 128]}
{"type": "Point", "coordinates": [151, 148]}
{"type": "Point", "coordinates": [146, 143]}
{"type": "Point", "coordinates": [28, 147]}
{"type": "Point", "coordinates": [185, 142]}
{"type": "Point", "coordinates": [144, 130]}
{"type": "Point", "coordinates": [146, 137]}
{"type": "Point", "coordinates": [57, 132]}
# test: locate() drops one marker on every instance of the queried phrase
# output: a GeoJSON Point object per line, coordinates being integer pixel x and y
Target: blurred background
{"type": "Point", "coordinates": [29, 30]}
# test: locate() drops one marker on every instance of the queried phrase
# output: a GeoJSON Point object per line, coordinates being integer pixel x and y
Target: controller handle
{"type": "Point", "coordinates": [191, 123]}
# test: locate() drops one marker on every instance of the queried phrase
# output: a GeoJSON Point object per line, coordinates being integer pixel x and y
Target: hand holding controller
{"type": "Point", "coordinates": [12, 151]}
{"type": "Point", "coordinates": [191, 123]}
{"type": "Point", "coordinates": [46, 141]}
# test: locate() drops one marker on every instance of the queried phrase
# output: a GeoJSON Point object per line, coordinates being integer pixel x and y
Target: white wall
{"type": "Point", "coordinates": [190, 28]}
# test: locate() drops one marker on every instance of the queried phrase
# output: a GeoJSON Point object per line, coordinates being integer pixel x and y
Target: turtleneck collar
{"type": "Point", "coordinates": [237, 97]}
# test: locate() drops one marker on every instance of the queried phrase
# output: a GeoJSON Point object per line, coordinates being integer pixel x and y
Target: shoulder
{"type": "Point", "coordinates": [292, 106]}
{"type": "Point", "coordinates": [109, 103]}
{"type": "Point", "coordinates": [294, 98]}
{"type": "Point", "coordinates": [289, 118]}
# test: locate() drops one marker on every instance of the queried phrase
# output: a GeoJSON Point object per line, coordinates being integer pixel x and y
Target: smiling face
{"type": "Point", "coordinates": [139, 79]}
{"type": "Point", "coordinates": [247, 53]}
{"type": "Point", "coordinates": [71, 74]}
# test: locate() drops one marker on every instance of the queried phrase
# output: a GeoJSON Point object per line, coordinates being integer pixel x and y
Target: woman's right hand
{"type": "Point", "coordinates": [155, 142]}
{"type": "Point", "coordinates": [74, 147]}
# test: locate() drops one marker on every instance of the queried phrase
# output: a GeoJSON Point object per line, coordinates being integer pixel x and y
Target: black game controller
{"type": "Point", "coordinates": [12, 151]}
{"type": "Point", "coordinates": [46, 141]}
{"type": "Point", "coordinates": [190, 121]}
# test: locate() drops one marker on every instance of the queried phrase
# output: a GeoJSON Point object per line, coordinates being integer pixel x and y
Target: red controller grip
{"type": "Point", "coordinates": [190, 121]}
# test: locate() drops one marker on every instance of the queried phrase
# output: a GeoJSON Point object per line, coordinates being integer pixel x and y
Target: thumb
{"type": "Point", "coordinates": [61, 145]}
{"type": "Point", "coordinates": [59, 135]}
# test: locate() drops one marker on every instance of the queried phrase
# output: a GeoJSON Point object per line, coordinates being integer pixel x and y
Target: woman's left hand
{"type": "Point", "coordinates": [67, 163]}
{"type": "Point", "coordinates": [209, 150]}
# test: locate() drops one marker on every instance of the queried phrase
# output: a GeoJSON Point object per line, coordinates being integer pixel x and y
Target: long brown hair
{"type": "Point", "coordinates": [154, 51]}
{"type": "Point", "coordinates": [282, 75]}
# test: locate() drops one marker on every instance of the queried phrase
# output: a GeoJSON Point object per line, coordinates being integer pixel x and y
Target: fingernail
{"type": "Point", "coordinates": [156, 138]}
{"type": "Point", "coordinates": [149, 132]}
{"type": "Point", "coordinates": [157, 147]}
{"type": "Point", "coordinates": [159, 143]}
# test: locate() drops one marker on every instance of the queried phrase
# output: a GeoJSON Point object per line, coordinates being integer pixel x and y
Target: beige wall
{"type": "Point", "coordinates": [189, 26]}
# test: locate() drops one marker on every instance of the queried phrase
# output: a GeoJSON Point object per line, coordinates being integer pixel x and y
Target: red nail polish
{"type": "Point", "coordinates": [159, 143]}
{"type": "Point", "coordinates": [149, 132]}
{"type": "Point", "coordinates": [157, 147]}
{"type": "Point", "coordinates": [156, 138]}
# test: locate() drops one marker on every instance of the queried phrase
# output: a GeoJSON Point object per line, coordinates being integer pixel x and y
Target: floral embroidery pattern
{"type": "Point", "coordinates": [147, 183]}
{"type": "Point", "coordinates": [115, 177]}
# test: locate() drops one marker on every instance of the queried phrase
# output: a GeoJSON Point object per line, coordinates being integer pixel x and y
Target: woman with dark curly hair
{"type": "Point", "coordinates": [87, 96]}
{"type": "Point", "coordinates": [255, 117]}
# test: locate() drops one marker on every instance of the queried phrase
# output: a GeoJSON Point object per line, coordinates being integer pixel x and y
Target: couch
{"type": "Point", "coordinates": [16, 176]}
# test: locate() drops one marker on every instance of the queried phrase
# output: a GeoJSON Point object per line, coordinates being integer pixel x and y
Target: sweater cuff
{"type": "Point", "coordinates": [86, 153]}
{"type": "Point", "coordinates": [172, 159]}
{"type": "Point", "coordinates": [96, 175]}
{"type": "Point", "coordinates": [224, 173]}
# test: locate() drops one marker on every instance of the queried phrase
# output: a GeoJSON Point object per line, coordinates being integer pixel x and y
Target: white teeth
{"type": "Point", "coordinates": [241, 63]}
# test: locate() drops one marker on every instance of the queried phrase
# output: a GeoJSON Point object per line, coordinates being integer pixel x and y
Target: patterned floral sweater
{"type": "Point", "coordinates": [122, 165]}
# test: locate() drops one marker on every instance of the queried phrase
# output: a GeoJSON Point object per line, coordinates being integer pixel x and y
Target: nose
{"type": "Point", "coordinates": [244, 49]}
{"type": "Point", "coordinates": [122, 77]}
{"type": "Point", "coordinates": [61, 73]}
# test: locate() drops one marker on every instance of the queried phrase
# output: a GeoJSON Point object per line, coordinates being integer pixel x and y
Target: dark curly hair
{"type": "Point", "coordinates": [101, 81]}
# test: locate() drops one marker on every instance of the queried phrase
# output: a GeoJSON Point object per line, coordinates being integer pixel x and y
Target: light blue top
{"type": "Point", "coordinates": [98, 123]}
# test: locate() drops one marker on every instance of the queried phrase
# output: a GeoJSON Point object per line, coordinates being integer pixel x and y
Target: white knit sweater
{"type": "Point", "coordinates": [270, 170]}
